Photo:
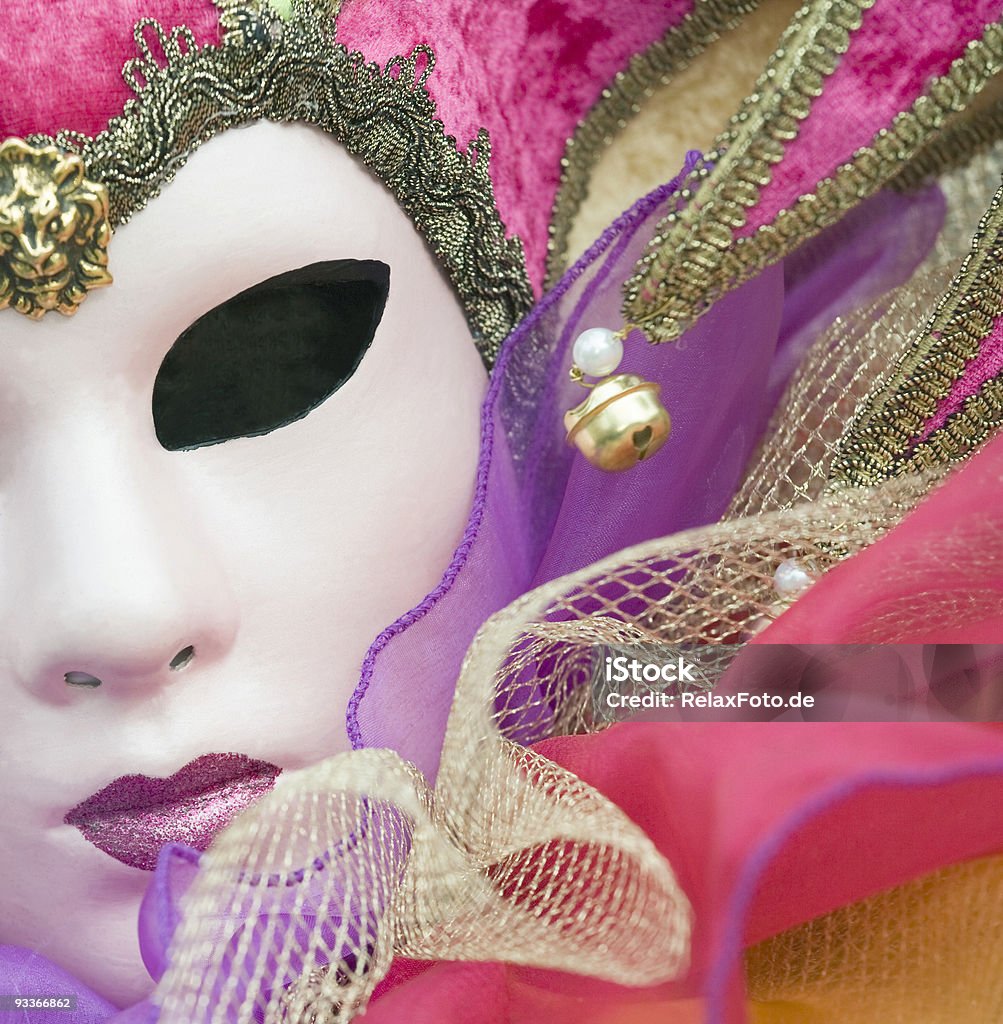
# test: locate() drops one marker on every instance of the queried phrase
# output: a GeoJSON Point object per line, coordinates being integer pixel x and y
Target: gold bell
{"type": "Point", "coordinates": [621, 423]}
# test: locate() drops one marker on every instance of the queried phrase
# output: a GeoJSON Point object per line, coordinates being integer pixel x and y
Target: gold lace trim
{"type": "Point", "coordinates": [289, 69]}
{"type": "Point", "coordinates": [694, 257]}
{"type": "Point", "coordinates": [618, 103]}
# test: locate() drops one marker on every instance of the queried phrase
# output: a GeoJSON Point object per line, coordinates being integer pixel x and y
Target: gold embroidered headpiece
{"type": "Point", "coordinates": [276, 61]}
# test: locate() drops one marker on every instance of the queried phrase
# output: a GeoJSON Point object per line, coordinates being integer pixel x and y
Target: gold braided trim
{"type": "Point", "coordinates": [694, 257]}
{"type": "Point", "coordinates": [972, 425]}
{"type": "Point", "coordinates": [967, 135]}
{"type": "Point", "coordinates": [621, 100]}
{"type": "Point", "coordinates": [674, 278]}
{"type": "Point", "coordinates": [879, 442]}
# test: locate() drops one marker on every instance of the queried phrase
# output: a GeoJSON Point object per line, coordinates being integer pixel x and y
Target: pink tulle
{"type": "Point", "coordinates": [897, 49]}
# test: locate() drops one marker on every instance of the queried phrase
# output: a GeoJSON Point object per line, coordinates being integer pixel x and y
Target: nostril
{"type": "Point", "coordinates": [182, 659]}
{"type": "Point", "coordinates": [82, 679]}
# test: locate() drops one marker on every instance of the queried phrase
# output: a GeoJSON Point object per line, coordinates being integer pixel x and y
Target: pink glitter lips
{"type": "Point", "coordinates": [134, 816]}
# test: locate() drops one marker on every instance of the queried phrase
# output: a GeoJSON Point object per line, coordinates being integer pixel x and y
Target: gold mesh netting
{"type": "Point", "coordinates": [837, 373]}
{"type": "Point", "coordinates": [930, 952]}
{"type": "Point", "coordinates": [300, 906]}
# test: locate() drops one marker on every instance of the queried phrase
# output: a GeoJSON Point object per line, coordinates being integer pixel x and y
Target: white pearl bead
{"type": "Point", "coordinates": [598, 352]}
{"type": "Point", "coordinates": [791, 578]}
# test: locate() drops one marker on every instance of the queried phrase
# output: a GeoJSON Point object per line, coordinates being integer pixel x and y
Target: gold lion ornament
{"type": "Point", "coordinates": [54, 230]}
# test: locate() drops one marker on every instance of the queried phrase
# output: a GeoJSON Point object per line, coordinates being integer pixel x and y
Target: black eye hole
{"type": "Point", "coordinates": [269, 355]}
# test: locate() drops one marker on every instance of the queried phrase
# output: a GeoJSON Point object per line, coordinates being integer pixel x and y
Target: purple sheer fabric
{"type": "Point", "coordinates": [539, 510]}
{"type": "Point", "coordinates": [160, 912]}
{"type": "Point", "coordinates": [23, 973]}
{"type": "Point", "coordinates": [876, 247]}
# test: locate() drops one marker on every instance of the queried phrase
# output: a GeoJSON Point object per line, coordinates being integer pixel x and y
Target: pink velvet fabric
{"type": "Point", "coordinates": [61, 61]}
{"type": "Point", "coordinates": [899, 46]}
{"type": "Point", "coordinates": [949, 551]}
{"type": "Point", "coordinates": [527, 70]}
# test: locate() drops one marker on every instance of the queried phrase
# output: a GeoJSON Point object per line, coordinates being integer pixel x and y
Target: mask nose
{"type": "Point", "coordinates": [120, 591]}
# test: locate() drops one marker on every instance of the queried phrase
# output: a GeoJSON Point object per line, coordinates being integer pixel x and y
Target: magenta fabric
{"type": "Point", "coordinates": [902, 682]}
{"type": "Point", "coordinates": [459, 993]}
{"type": "Point", "coordinates": [949, 550]}
{"type": "Point", "coordinates": [987, 365]}
{"type": "Point", "coordinates": [897, 49]}
{"type": "Point", "coordinates": [767, 826]}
